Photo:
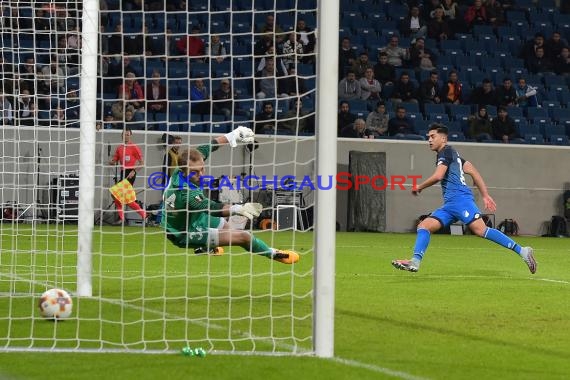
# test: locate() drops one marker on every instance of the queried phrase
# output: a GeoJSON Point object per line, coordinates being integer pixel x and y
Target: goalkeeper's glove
{"type": "Point", "coordinates": [240, 134]}
{"type": "Point", "coordinates": [249, 210]}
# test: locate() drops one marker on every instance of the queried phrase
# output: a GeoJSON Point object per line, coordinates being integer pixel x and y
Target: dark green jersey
{"type": "Point", "coordinates": [186, 208]}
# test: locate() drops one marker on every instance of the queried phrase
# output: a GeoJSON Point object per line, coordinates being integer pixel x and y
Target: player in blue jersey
{"type": "Point", "coordinates": [458, 203]}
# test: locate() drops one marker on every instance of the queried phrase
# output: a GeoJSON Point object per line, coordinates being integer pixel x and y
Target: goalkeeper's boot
{"type": "Point", "coordinates": [215, 251]}
{"type": "Point", "coordinates": [407, 265]}
{"type": "Point", "coordinates": [285, 256]}
{"type": "Point", "coordinates": [527, 254]}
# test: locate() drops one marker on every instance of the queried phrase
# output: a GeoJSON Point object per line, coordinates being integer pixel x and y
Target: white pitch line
{"type": "Point", "coordinates": [378, 369]}
{"type": "Point", "coordinates": [550, 280]}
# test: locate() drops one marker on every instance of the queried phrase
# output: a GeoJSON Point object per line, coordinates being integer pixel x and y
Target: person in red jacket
{"type": "Point", "coordinates": [476, 14]}
{"type": "Point", "coordinates": [129, 156]}
{"type": "Point", "coordinates": [193, 45]}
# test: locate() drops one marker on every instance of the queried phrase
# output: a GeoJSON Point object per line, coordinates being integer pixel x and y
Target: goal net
{"type": "Point", "coordinates": [168, 74]}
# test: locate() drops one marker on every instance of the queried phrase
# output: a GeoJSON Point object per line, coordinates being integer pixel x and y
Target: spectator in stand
{"type": "Point", "coordinates": [265, 120]}
{"type": "Point", "coordinates": [53, 78]}
{"type": "Point", "coordinates": [271, 27]}
{"type": "Point", "coordinates": [345, 117]}
{"type": "Point", "coordinates": [360, 66]}
{"type": "Point", "coordinates": [6, 110]}
{"type": "Point", "coordinates": [346, 57]}
{"type": "Point", "coordinates": [293, 51]}
{"type": "Point", "coordinates": [28, 74]}
{"type": "Point", "coordinates": [115, 41]}
{"type": "Point", "coordinates": [377, 120]}
{"type": "Point", "coordinates": [554, 46]}
{"type": "Point", "coordinates": [349, 87]}
{"type": "Point", "coordinates": [57, 117]}
{"type": "Point", "coordinates": [562, 63]}
{"type": "Point", "coordinates": [223, 99]}
{"type": "Point", "coordinates": [480, 127]}
{"type": "Point", "coordinates": [307, 37]}
{"type": "Point", "coordinates": [152, 46]}
{"type": "Point", "coordinates": [356, 130]}
{"type": "Point", "coordinates": [404, 90]}
{"type": "Point", "coordinates": [429, 7]}
{"type": "Point", "coordinates": [133, 44]}
{"type": "Point", "coordinates": [72, 107]}
{"type": "Point", "coordinates": [422, 58]}
{"type": "Point", "coordinates": [263, 44]}
{"type": "Point", "coordinates": [26, 110]}
{"type": "Point", "coordinates": [539, 63]}
{"type": "Point", "coordinates": [384, 72]}
{"type": "Point", "coordinates": [216, 49]}
{"type": "Point", "coordinates": [430, 90]}
{"type": "Point", "coordinates": [484, 94]}
{"type": "Point", "coordinates": [438, 28]}
{"type": "Point", "coordinates": [118, 108]}
{"type": "Point", "coordinates": [476, 14]}
{"type": "Point", "coordinates": [529, 48]}
{"type": "Point", "coordinates": [396, 54]}
{"type": "Point", "coordinates": [452, 14]}
{"type": "Point", "coordinates": [292, 84]}
{"type": "Point", "coordinates": [526, 95]}
{"type": "Point", "coordinates": [414, 25]}
{"type": "Point", "coordinates": [193, 45]}
{"type": "Point", "coordinates": [296, 119]}
{"type": "Point", "coordinates": [503, 127]}
{"type": "Point", "coordinates": [132, 92]}
{"type": "Point", "coordinates": [266, 85]}
{"type": "Point", "coordinates": [156, 94]}
{"type": "Point", "coordinates": [495, 13]}
{"type": "Point", "coordinates": [452, 91]}
{"type": "Point", "coordinates": [506, 94]}
{"type": "Point", "coordinates": [131, 123]}
{"type": "Point", "coordinates": [199, 98]}
{"type": "Point", "coordinates": [270, 54]}
{"type": "Point", "coordinates": [370, 87]}
{"type": "Point", "coordinates": [400, 125]}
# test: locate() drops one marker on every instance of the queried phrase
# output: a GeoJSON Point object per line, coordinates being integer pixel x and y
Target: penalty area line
{"type": "Point", "coordinates": [378, 369]}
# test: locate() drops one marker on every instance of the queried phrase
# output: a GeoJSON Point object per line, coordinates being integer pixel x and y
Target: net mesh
{"type": "Point", "coordinates": [165, 68]}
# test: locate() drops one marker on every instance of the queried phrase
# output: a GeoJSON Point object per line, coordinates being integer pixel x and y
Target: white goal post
{"type": "Point", "coordinates": [67, 99]}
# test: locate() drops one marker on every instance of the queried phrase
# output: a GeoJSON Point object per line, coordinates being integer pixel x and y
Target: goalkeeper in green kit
{"type": "Point", "coordinates": [193, 221]}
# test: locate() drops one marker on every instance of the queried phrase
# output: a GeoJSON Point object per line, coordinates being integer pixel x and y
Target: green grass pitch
{"type": "Point", "coordinates": [472, 312]}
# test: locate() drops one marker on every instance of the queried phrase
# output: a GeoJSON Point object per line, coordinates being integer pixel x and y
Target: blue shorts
{"type": "Point", "coordinates": [464, 210]}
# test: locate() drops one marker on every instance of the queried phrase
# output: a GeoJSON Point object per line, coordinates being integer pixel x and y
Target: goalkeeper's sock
{"type": "Point", "coordinates": [135, 206]}
{"type": "Point", "coordinates": [259, 246]}
{"type": "Point", "coordinates": [502, 239]}
{"type": "Point", "coordinates": [422, 242]}
{"type": "Point", "coordinates": [119, 206]}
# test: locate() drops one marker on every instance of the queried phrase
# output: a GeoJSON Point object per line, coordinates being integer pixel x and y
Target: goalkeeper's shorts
{"type": "Point", "coordinates": [200, 237]}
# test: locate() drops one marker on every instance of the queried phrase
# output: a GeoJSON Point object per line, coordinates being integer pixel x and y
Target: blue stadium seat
{"type": "Point", "coordinates": [410, 107]}
{"type": "Point", "coordinates": [555, 82]}
{"type": "Point", "coordinates": [438, 117]}
{"type": "Point", "coordinates": [533, 112]}
{"type": "Point", "coordinates": [534, 139]}
{"type": "Point", "coordinates": [559, 114]}
{"type": "Point", "coordinates": [456, 136]}
{"type": "Point", "coordinates": [459, 110]}
{"type": "Point", "coordinates": [553, 130]}
{"type": "Point", "coordinates": [515, 112]}
{"type": "Point", "coordinates": [558, 140]}
{"type": "Point", "coordinates": [482, 29]}
{"type": "Point", "coordinates": [177, 69]}
{"type": "Point", "coordinates": [430, 109]}
{"type": "Point", "coordinates": [529, 129]}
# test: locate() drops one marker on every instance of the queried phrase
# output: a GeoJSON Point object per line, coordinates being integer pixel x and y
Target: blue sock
{"type": "Point", "coordinates": [422, 242]}
{"type": "Point", "coordinates": [501, 239]}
